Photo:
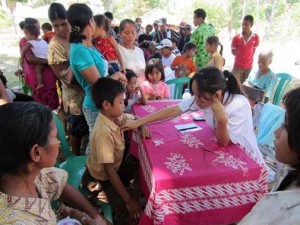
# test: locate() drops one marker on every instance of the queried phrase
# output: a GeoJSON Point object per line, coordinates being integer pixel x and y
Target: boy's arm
{"type": "Point", "coordinates": [132, 205]}
{"type": "Point", "coordinates": [142, 99]}
{"type": "Point", "coordinates": [78, 201]}
{"type": "Point", "coordinates": [25, 49]}
{"type": "Point", "coordinates": [115, 44]}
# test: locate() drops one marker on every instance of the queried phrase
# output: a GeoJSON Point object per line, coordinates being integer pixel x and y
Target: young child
{"type": "Point", "coordinates": [283, 205]}
{"type": "Point", "coordinates": [175, 50]}
{"type": "Point", "coordinates": [184, 64]}
{"type": "Point", "coordinates": [107, 45]}
{"type": "Point", "coordinates": [154, 86]}
{"type": "Point", "coordinates": [134, 92]}
{"type": "Point", "coordinates": [215, 58]}
{"type": "Point", "coordinates": [264, 78]}
{"type": "Point", "coordinates": [48, 33]}
{"type": "Point", "coordinates": [106, 164]}
{"type": "Point", "coordinates": [39, 47]}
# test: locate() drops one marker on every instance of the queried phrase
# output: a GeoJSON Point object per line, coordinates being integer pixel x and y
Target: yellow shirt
{"type": "Point", "coordinates": [34, 211]}
{"type": "Point", "coordinates": [216, 60]}
{"type": "Point", "coordinates": [107, 145]}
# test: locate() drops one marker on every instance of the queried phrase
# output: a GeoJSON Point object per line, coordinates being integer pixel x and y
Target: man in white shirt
{"type": "Point", "coordinates": [165, 48]}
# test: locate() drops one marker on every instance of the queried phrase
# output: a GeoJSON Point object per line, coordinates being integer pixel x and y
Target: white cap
{"type": "Point", "coordinates": [164, 43]}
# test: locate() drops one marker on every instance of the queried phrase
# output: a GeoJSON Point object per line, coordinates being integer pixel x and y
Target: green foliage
{"type": "Point", "coordinates": [5, 19]}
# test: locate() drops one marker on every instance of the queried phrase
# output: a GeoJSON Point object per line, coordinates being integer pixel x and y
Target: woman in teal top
{"type": "Point", "coordinates": [264, 78]}
{"type": "Point", "coordinates": [87, 64]}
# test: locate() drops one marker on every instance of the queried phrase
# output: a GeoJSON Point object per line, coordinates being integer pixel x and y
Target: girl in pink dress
{"type": "Point", "coordinates": [107, 45]}
{"type": "Point", "coordinates": [154, 86]}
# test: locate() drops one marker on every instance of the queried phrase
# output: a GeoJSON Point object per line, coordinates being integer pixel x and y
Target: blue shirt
{"type": "Point", "coordinates": [266, 82]}
{"type": "Point", "coordinates": [81, 58]}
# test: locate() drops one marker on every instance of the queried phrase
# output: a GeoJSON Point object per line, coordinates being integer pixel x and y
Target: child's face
{"type": "Point", "coordinates": [283, 153]}
{"type": "Point", "coordinates": [190, 53]}
{"type": "Point", "coordinates": [128, 35]}
{"type": "Point", "coordinates": [117, 108]}
{"type": "Point", "coordinates": [155, 76]}
{"type": "Point", "coordinates": [148, 30]}
{"type": "Point", "coordinates": [100, 32]}
{"type": "Point", "coordinates": [132, 85]}
{"type": "Point", "coordinates": [29, 36]}
{"type": "Point", "coordinates": [263, 63]}
{"type": "Point", "coordinates": [210, 48]}
{"type": "Point", "coordinates": [166, 52]}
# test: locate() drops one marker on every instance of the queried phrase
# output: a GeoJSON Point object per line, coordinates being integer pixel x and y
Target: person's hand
{"type": "Point", "coordinates": [151, 97]}
{"type": "Point", "coordinates": [145, 132]}
{"type": "Point", "coordinates": [218, 110]}
{"type": "Point", "coordinates": [130, 125]}
{"type": "Point", "coordinates": [119, 77]}
{"type": "Point", "coordinates": [158, 98]}
{"type": "Point", "coordinates": [63, 212]}
{"type": "Point", "coordinates": [134, 208]}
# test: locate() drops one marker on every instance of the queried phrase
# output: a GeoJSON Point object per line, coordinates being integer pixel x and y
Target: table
{"type": "Point", "coordinates": [189, 179]}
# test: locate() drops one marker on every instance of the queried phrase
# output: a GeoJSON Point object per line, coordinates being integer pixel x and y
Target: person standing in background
{"type": "Point", "coordinates": [199, 36]}
{"type": "Point", "coordinates": [243, 48]}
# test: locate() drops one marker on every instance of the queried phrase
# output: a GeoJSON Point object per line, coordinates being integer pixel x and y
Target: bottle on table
{"type": "Point", "coordinates": [186, 94]}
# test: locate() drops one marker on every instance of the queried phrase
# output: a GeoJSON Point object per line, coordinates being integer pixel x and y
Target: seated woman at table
{"type": "Point", "coordinates": [154, 86]}
{"type": "Point", "coordinates": [28, 180]}
{"type": "Point", "coordinates": [264, 78]}
{"type": "Point", "coordinates": [283, 205]}
{"type": "Point", "coordinates": [225, 109]}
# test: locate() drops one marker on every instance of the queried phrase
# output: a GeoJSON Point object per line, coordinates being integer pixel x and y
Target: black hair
{"type": "Point", "coordinates": [79, 16]}
{"type": "Point", "coordinates": [210, 79]}
{"type": "Point", "coordinates": [109, 15]}
{"type": "Point", "coordinates": [57, 11]}
{"type": "Point", "coordinates": [32, 29]}
{"type": "Point", "coordinates": [292, 124]}
{"type": "Point", "coordinates": [117, 29]}
{"type": "Point", "coordinates": [200, 13]}
{"type": "Point", "coordinates": [154, 63]}
{"type": "Point", "coordinates": [155, 55]}
{"type": "Point", "coordinates": [30, 20]}
{"type": "Point", "coordinates": [249, 18]}
{"type": "Point", "coordinates": [130, 74]}
{"type": "Point", "coordinates": [22, 25]}
{"type": "Point", "coordinates": [102, 21]}
{"type": "Point", "coordinates": [292, 119]}
{"type": "Point", "coordinates": [22, 126]}
{"type": "Point", "coordinates": [124, 22]}
{"type": "Point", "coordinates": [149, 25]}
{"type": "Point", "coordinates": [3, 79]}
{"type": "Point", "coordinates": [214, 40]}
{"type": "Point", "coordinates": [47, 26]}
{"type": "Point", "coordinates": [188, 46]}
{"type": "Point", "coordinates": [106, 89]}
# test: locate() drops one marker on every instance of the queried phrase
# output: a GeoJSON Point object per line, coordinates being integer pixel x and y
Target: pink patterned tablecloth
{"type": "Point", "coordinates": [189, 179]}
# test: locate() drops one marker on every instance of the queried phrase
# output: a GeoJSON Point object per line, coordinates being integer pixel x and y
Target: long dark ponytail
{"type": "Point", "coordinates": [79, 16]}
{"type": "Point", "coordinates": [210, 79]}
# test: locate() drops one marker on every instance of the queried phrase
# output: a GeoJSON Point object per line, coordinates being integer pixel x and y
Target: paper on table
{"type": "Point", "coordinates": [187, 127]}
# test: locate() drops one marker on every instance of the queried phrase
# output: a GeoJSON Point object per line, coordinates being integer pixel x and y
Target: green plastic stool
{"type": "Point", "coordinates": [178, 89]}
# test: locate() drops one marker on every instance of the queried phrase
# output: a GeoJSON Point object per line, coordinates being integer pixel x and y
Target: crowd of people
{"type": "Point", "coordinates": [95, 73]}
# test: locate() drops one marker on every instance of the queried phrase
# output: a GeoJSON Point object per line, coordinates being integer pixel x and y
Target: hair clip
{"type": "Point", "coordinates": [76, 28]}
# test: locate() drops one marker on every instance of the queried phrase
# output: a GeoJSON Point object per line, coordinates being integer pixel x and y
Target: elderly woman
{"type": "Point", "coordinates": [28, 182]}
{"type": "Point", "coordinates": [48, 94]}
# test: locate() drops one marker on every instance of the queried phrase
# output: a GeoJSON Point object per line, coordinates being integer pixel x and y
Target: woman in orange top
{"type": "Point", "coordinates": [184, 64]}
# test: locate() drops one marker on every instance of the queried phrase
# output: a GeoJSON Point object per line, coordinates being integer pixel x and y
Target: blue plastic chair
{"type": "Point", "coordinates": [75, 166]}
{"type": "Point", "coordinates": [178, 89]}
{"type": "Point", "coordinates": [284, 80]}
